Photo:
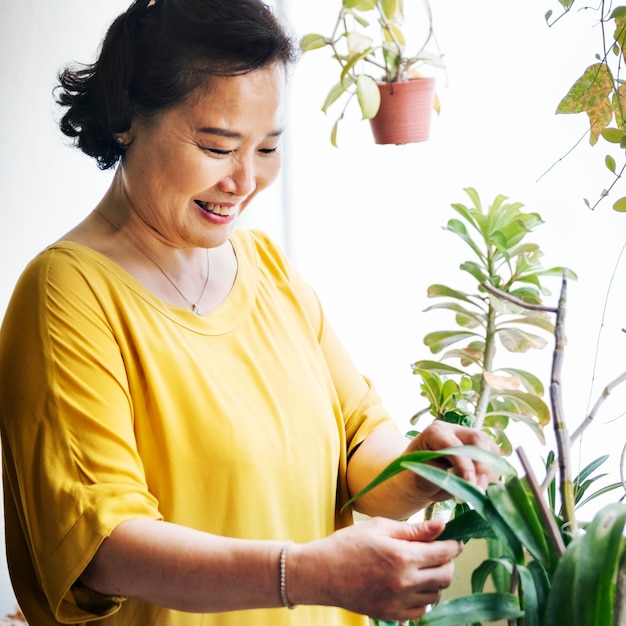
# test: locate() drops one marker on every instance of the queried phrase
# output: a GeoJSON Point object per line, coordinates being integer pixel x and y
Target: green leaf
{"type": "Point", "coordinates": [581, 591]}
{"type": "Point", "coordinates": [458, 228]}
{"type": "Point", "coordinates": [360, 5]}
{"type": "Point", "coordinates": [600, 492]}
{"type": "Point", "coordinates": [613, 135]}
{"type": "Point", "coordinates": [368, 95]}
{"type": "Point", "coordinates": [516, 507]}
{"type": "Point", "coordinates": [336, 92]}
{"type": "Point", "coordinates": [436, 367]}
{"type": "Point", "coordinates": [443, 291]}
{"type": "Point", "coordinates": [469, 525]}
{"type": "Point", "coordinates": [590, 94]}
{"type": "Point", "coordinates": [439, 340]}
{"type": "Point", "coordinates": [530, 381]}
{"type": "Point", "coordinates": [313, 41]}
{"type": "Point", "coordinates": [478, 607]}
{"type": "Point", "coordinates": [620, 205]}
{"type": "Point", "coordinates": [529, 403]}
{"type": "Point", "coordinates": [515, 340]}
{"type": "Point", "coordinates": [333, 134]}
{"type": "Point", "coordinates": [609, 161]}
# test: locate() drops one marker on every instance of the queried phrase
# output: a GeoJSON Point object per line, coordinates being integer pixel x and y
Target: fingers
{"type": "Point", "coordinates": [441, 435]}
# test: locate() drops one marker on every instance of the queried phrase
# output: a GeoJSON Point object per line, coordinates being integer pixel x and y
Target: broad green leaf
{"type": "Point", "coordinates": [464, 316]}
{"type": "Point", "coordinates": [529, 381]}
{"type": "Point", "coordinates": [479, 607]}
{"type": "Point", "coordinates": [609, 161]}
{"type": "Point", "coordinates": [475, 270]}
{"type": "Point", "coordinates": [336, 92]}
{"type": "Point", "coordinates": [469, 525]}
{"type": "Point", "coordinates": [531, 404]}
{"type": "Point", "coordinates": [468, 493]}
{"type": "Point", "coordinates": [392, 9]}
{"type": "Point", "coordinates": [434, 366]}
{"type": "Point", "coordinates": [590, 94]}
{"type": "Point", "coordinates": [443, 291]}
{"type": "Point", "coordinates": [613, 135]}
{"type": "Point", "coordinates": [368, 95]}
{"type": "Point", "coordinates": [515, 505]}
{"type": "Point", "coordinates": [458, 228]}
{"type": "Point", "coordinates": [500, 571]}
{"type": "Point", "coordinates": [515, 340]}
{"type": "Point", "coordinates": [620, 205]}
{"type": "Point", "coordinates": [467, 356]}
{"type": "Point", "coordinates": [532, 319]}
{"type": "Point", "coordinates": [349, 66]}
{"type": "Point", "coordinates": [531, 597]}
{"type": "Point", "coordinates": [582, 586]}
{"type": "Point", "coordinates": [418, 460]}
{"type": "Point", "coordinates": [439, 340]}
{"type": "Point", "coordinates": [360, 5]}
{"type": "Point", "coordinates": [358, 44]}
{"type": "Point", "coordinates": [312, 41]}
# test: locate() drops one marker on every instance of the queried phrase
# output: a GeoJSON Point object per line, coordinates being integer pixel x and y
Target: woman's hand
{"type": "Point", "coordinates": [382, 568]}
{"type": "Point", "coordinates": [440, 435]}
{"type": "Point", "coordinates": [404, 494]}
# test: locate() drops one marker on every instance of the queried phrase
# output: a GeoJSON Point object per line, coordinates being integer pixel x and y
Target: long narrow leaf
{"type": "Point", "coordinates": [581, 592]}
{"type": "Point", "coordinates": [465, 491]}
{"type": "Point", "coordinates": [475, 608]}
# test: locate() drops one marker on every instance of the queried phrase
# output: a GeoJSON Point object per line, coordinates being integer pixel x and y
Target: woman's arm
{"type": "Point", "coordinates": [383, 568]}
{"type": "Point", "coordinates": [185, 569]}
{"type": "Point", "coordinates": [406, 493]}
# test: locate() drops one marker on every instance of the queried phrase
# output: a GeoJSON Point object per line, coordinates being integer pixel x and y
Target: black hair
{"type": "Point", "coordinates": [155, 55]}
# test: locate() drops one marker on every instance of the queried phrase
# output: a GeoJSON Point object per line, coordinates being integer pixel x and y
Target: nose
{"type": "Point", "coordinates": [241, 179]}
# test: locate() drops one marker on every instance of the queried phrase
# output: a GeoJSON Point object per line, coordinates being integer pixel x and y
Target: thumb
{"type": "Point", "coordinates": [422, 531]}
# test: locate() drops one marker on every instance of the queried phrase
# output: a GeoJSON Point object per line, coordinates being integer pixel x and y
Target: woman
{"type": "Point", "coordinates": [180, 426]}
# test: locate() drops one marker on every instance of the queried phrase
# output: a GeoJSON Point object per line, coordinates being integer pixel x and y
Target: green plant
{"type": "Point", "coordinates": [478, 391]}
{"type": "Point", "coordinates": [547, 567]}
{"type": "Point", "coordinates": [600, 91]}
{"type": "Point", "coordinates": [368, 42]}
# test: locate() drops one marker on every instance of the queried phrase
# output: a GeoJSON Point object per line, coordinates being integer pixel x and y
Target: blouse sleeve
{"type": "Point", "coordinates": [70, 456]}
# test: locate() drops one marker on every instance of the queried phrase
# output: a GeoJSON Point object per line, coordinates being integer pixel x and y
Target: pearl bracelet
{"type": "Point", "coordinates": [283, 575]}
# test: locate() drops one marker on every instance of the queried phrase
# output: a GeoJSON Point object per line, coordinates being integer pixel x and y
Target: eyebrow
{"type": "Point", "coordinates": [230, 134]}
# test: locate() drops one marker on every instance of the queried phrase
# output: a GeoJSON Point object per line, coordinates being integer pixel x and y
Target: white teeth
{"type": "Point", "coordinates": [217, 208]}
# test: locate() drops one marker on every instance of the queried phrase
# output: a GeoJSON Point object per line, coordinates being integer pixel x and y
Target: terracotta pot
{"type": "Point", "coordinates": [405, 111]}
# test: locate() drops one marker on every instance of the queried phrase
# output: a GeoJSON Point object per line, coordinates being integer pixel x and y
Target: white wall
{"type": "Point", "coordinates": [365, 221]}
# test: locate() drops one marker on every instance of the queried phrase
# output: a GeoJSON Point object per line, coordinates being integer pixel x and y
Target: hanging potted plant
{"type": "Point", "coordinates": [379, 69]}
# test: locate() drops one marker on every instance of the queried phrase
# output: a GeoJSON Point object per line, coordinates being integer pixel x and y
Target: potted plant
{"type": "Point", "coordinates": [547, 567]}
{"type": "Point", "coordinates": [380, 70]}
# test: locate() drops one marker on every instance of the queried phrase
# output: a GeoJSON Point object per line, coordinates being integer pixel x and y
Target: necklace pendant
{"type": "Point", "coordinates": [196, 310]}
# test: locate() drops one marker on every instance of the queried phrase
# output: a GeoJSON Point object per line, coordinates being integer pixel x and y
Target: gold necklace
{"type": "Point", "coordinates": [194, 305]}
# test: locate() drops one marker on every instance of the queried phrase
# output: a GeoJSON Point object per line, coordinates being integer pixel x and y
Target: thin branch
{"type": "Point", "coordinates": [546, 515]}
{"type": "Point", "coordinates": [503, 295]}
{"type": "Point", "coordinates": [596, 407]}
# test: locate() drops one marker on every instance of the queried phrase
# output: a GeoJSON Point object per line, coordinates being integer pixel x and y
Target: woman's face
{"type": "Point", "coordinates": [191, 172]}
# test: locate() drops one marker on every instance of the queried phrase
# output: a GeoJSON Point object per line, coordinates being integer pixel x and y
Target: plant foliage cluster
{"type": "Point", "coordinates": [600, 91]}
{"type": "Point", "coordinates": [369, 43]}
{"type": "Point", "coordinates": [545, 567]}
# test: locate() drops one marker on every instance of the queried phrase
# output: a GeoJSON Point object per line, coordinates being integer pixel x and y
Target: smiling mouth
{"type": "Point", "coordinates": [217, 209]}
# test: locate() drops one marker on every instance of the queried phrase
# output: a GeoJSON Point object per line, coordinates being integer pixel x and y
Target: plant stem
{"type": "Point", "coordinates": [488, 358]}
{"type": "Point", "coordinates": [560, 430]}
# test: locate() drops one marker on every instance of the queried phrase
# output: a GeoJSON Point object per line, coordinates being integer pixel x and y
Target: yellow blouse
{"type": "Point", "coordinates": [114, 405]}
